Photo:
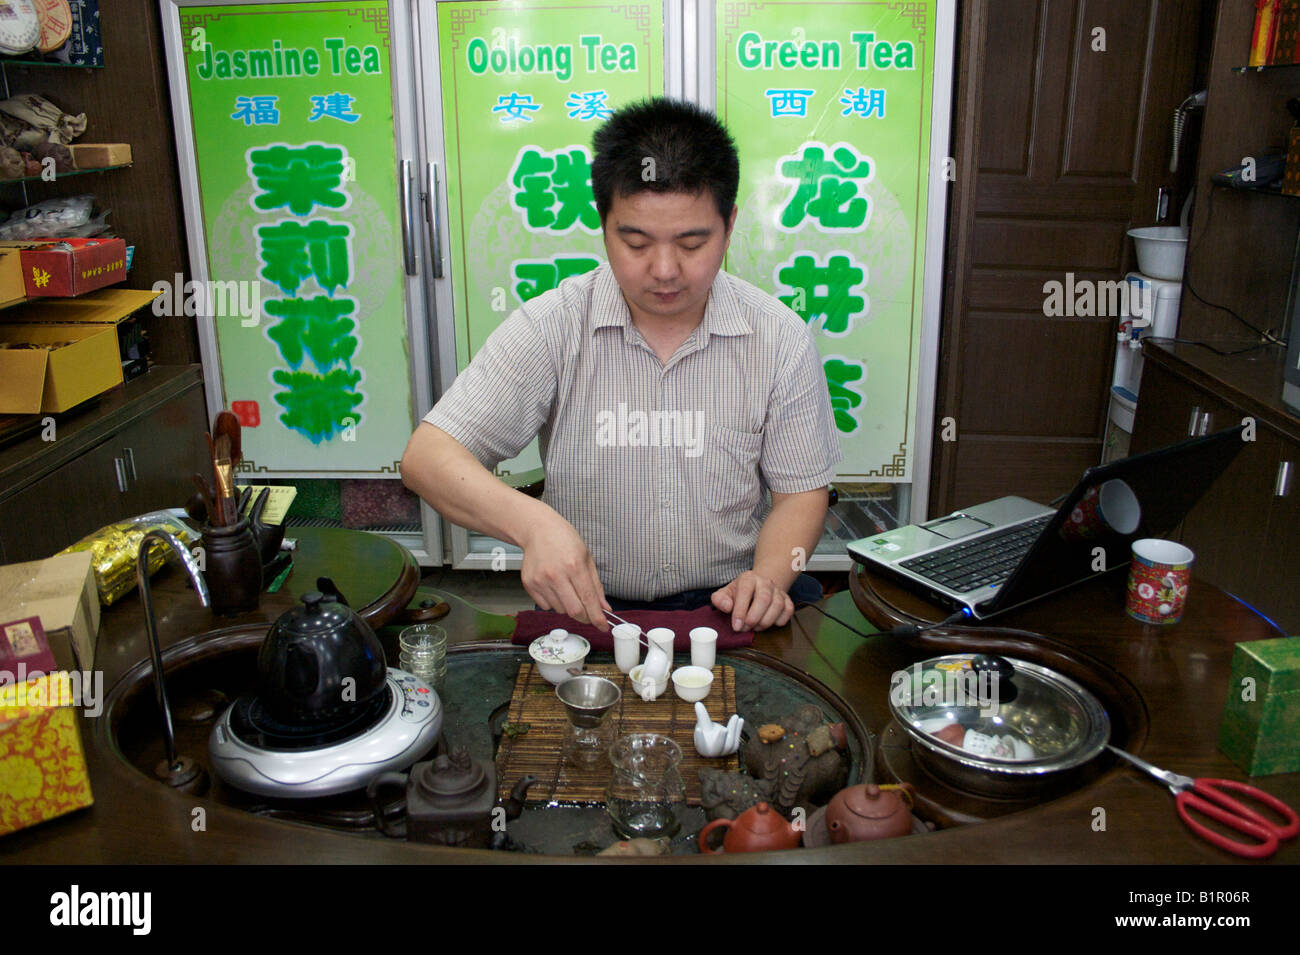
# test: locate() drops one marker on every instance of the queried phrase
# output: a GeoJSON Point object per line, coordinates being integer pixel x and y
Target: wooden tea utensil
{"type": "Point", "coordinates": [229, 444]}
{"type": "Point", "coordinates": [205, 492]}
{"type": "Point", "coordinates": [216, 480]}
{"type": "Point", "coordinates": [227, 423]}
{"type": "Point", "coordinates": [226, 503]}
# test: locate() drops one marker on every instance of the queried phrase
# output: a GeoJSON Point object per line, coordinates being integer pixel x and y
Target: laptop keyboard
{"type": "Point", "coordinates": [983, 562]}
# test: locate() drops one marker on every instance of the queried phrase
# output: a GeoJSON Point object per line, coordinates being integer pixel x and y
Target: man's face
{"type": "Point", "coordinates": [665, 248]}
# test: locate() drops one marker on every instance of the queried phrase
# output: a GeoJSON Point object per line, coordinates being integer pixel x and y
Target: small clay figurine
{"type": "Point", "coordinates": [727, 795]}
{"type": "Point", "coordinates": [638, 847]}
{"type": "Point", "coordinates": [799, 774]}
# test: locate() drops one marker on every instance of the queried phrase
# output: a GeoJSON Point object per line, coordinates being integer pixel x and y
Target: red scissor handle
{"type": "Point", "coordinates": [1223, 808]}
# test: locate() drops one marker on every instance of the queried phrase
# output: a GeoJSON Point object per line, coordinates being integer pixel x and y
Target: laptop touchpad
{"type": "Point", "coordinates": [957, 526]}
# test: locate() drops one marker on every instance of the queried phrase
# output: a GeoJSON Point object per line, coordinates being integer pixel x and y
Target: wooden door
{"type": "Point", "coordinates": [1061, 141]}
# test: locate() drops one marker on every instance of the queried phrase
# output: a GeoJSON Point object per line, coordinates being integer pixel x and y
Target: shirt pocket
{"type": "Point", "coordinates": [731, 469]}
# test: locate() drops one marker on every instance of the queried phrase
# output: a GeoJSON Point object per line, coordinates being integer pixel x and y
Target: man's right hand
{"type": "Point", "coordinates": [559, 573]}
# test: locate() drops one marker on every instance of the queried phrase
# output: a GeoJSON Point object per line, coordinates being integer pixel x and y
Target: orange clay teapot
{"type": "Point", "coordinates": [758, 829]}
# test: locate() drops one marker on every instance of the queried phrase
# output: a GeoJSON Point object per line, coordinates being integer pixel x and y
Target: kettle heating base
{"type": "Point", "coordinates": [253, 752]}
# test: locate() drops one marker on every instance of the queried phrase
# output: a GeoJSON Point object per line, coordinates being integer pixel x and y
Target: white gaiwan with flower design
{"type": "Point", "coordinates": [559, 655]}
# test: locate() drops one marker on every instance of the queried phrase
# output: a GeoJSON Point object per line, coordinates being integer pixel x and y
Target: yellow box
{"type": "Point", "coordinates": [42, 763]}
{"type": "Point", "coordinates": [61, 591]}
{"type": "Point", "coordinates": [12, 288]}
{"type": "Point", "coordinates": [75, 363]}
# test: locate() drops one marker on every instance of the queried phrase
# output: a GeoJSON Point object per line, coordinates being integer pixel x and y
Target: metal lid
{"type": "Point", "coordinates": [998, 713]}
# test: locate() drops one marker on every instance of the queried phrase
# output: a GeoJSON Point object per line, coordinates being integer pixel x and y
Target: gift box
{"type": "Point", "coordinates": [69, 266]}
{"type": "Point", "coordinates": [1264, 33]}
{"type": "Point", "coordinates": [60, 591]}
{"type": "Point", "coordinates": [1291, 178]}
{"type": "Point", "coordinates": [1286, 45]}
{"type": "Point", "coordinates": [42, 763]}
{"type": "Point", "coordinates": [1260, 731]}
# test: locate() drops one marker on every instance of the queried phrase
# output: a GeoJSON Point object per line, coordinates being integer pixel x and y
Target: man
{"type": "Point", "coordinates": [668, 395]}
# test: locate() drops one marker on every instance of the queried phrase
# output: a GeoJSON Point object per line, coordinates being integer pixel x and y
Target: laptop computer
{"type": "Point", "coordinates": [996, 556]}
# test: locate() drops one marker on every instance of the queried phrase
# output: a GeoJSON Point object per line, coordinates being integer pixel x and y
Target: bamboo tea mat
{"type": "Point", "coordinates": [540, 751]}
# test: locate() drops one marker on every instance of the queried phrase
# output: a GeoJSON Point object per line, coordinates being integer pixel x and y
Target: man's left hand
{"type": "Point", "coordinates": [755, 602]}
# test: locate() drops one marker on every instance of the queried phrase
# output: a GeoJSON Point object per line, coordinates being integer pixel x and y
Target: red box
{"type": "Point", "coordinates": [89, 264]}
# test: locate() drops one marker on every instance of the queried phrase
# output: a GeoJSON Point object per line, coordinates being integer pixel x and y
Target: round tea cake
{"type": "Point", "coordinates": [55, 17]}
{"type": "Point", "coordinates": [20, 27]}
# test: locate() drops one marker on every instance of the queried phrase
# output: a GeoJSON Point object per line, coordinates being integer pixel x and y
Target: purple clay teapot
{"type": "Point", "coordinates": [451, 800]}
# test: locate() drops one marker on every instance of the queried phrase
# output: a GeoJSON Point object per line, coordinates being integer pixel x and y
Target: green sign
{"type": "Point", "coordinates": [524, 87]}
{"type": "Point", "coordinates": [830, 105]}
{"type": "Point", "coordinates": [292, 112]}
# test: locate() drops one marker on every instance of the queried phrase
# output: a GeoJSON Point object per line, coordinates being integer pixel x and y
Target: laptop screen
{"type": "Point", "coordinates": [1114, 504]}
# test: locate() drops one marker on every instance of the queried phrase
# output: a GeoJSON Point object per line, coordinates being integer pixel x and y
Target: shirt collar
{"type": "Point", "coordinates": [722, 312]}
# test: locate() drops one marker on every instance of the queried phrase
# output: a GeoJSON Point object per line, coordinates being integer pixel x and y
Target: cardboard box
{"type": "Point", "coordinates": [60, 591]}
{"type": "Point", "coordinates": [12, 288]}
{"type": "Point", "coordinates": [123, 308]}
{"type": "Point", "coordinates": [50, 268]}
{"type": "Point", "coordinates": [1260, 731]}
{"type": "Point", "coordinates": [105, 307]}
{"type": "Point", "coordinates": [42, 763]}
{"type": "Point", "coordinates": [70, 364]}
{"type": "Point", "coordinates": [99, 155]}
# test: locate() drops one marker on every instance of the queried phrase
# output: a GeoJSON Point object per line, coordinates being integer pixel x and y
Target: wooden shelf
{"type": "Point", "coordinates": [65, 175]}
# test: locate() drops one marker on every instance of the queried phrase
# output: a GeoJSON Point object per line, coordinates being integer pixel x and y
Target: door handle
{"type": "Point", "coordinates": [128, 457]}
{"type": "Point", "coordinates": [120, 466]}
{"type": "Point", "coordinates": [408, 236]}
{"type": "Point", "coordinates": [1282, 487]}
{"type": "Point", "coordinates": [1199, 423]}
{"type": "Point", "coordinates": [432, 215]}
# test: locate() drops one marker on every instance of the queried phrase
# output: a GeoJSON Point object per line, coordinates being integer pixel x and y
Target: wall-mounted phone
{"type": "Point", "coordinates": [1195, 101]}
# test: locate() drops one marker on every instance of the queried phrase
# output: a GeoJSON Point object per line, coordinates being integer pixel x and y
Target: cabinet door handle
{"type": "Point", "coordinates": [1282, 488]}
{"type": "Point", "coordinates": [120, 466]}
{"type": "Point", "coordinates": [129, 457]}
{"type": "Point", "coordinates": [1199, 423]}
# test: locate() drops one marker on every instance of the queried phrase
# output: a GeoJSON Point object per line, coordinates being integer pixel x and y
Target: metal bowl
{"type": "Point", "coordinates": [588, 698]}
{"type": "Point", "coordinates": [973, 731]}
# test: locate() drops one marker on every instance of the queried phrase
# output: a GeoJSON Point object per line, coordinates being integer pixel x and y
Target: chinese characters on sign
{"type": "Point", "coordinates": [828, 103]}
{"type": "Point", "coordinates": [319, 400]}
{"type": "Point", "coordinates": [829, 295]}
{"type": "Point", "coordinates": [292, 109]}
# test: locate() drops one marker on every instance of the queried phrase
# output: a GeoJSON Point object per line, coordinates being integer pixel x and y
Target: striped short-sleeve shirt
{"type": "Point", "coordinates": [662, 468]}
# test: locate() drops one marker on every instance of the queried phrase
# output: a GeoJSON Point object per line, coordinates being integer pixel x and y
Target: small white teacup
{"type": "Point", "coordinates": [627, 646]}
{"type": "Point", "coordinates": [692, 683]}
{"type": "Point", "coordinates": [704, 647]}
{"type": "Point", "coordinates": [661, 637]}
{"type": "Point", "coordinates": [644, 687]}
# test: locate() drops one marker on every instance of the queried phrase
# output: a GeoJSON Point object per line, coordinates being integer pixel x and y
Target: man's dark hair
{"type": "Point", "coordinates": [664, 145]}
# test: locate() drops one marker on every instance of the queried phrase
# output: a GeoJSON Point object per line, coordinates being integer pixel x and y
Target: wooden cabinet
{"type": "Point", "coordinates": [131, 453]}
{"type": "Point", "coordinates": [1244, 529]}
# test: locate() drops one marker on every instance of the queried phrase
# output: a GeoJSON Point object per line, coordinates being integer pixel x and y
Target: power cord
{"type": "Point", "coordinates": [1270, 340]}
{"type": "Point", "coordinates": [902, 630]}
{"type": "Point", "coordinates": [1267, 337]}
